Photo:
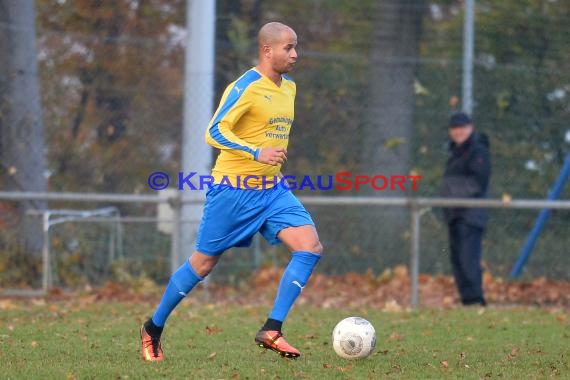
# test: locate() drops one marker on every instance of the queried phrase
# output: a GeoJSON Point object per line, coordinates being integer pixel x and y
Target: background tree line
{"type": "Point", "coordinates": [377, 80]}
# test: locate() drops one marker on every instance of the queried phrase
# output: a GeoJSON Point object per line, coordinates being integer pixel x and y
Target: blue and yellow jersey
{"type": "Point", "coordinates": [254, 113]}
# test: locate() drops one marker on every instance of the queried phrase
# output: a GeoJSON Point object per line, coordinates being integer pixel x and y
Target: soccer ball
{"type": "Point", "coordinates": [354, 338]}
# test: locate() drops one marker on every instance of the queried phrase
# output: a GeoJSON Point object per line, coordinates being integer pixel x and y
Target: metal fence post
{"type": "Point", "coordinates": [256, 251]}
{"type": "Point", "coordinates": [415, 252]}
{"type": "Point", "coordinates": [46, 280]}
{"type": "Point", "coordinates": [176, 205]}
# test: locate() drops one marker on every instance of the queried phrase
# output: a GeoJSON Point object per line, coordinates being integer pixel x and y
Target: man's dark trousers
{"type": "Point", "coordinates": [465, 245]}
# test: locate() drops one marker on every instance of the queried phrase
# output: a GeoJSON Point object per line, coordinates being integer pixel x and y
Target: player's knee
{"type": "Point", "coordinates": [204, 269]}
{"type": "Point", "coordinates": [317, 247]}
{"type": "Point", "coordinates": [312, 246]}
{"type": "Point", "coordinates": [203, 264]}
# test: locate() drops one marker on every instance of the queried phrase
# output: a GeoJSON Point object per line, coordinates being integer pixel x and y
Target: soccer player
{"type": "Point", "coordinates": [251, 128]}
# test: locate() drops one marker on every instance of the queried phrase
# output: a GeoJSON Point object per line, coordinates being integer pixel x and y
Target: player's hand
{"type": "Point", "coordinates": [272, 156]}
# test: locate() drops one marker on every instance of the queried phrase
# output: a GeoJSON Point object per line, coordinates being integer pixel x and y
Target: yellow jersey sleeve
{"type": "Point", "coordinates": [233, 105]}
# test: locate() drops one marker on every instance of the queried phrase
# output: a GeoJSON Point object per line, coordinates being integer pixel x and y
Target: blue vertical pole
{"type": "Point", "coordinates": [542, 218]}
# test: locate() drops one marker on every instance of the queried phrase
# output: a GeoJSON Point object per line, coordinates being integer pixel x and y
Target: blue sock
{"type": "Point", "coordinates": [293, 281]}
{"type": "Point", "coordinates": [181, 283]}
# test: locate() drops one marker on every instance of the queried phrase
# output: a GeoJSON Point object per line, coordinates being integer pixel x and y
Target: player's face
{"type": "Point", "coordinates": [284, 55]}
{"type": "Point", "coordinates": [460, 134]}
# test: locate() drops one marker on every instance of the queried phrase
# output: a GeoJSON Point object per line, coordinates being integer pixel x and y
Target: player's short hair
{"type": "Point", "coordinates": [271, 33]}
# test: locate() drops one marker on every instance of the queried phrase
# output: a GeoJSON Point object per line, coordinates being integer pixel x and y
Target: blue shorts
{"type": "Point", "coordinates": [233, 216]}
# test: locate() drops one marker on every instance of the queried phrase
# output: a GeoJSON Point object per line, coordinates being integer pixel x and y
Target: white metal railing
{"type": "Point", "coordinates": [52, 217]}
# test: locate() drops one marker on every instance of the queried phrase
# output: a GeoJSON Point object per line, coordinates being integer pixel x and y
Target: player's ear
{"type": "Point", "coordinates": [266, 50]}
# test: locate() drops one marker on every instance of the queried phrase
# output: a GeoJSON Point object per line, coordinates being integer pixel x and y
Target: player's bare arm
{"type": "Point", "coordinates": [272, 156]}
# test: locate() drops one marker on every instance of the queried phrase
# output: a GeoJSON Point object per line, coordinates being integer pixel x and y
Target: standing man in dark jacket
{"type": "Point", "coordinates": [466, 175]}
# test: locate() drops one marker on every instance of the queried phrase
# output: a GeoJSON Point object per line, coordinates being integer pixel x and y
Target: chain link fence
{"type": "Point", "coordinates": [112, 85]}
{"type": "Point", "coordinates": [91, 247]}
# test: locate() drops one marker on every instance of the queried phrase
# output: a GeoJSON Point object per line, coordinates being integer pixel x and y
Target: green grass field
{"type": "Point", "coordinates": [90, 339]}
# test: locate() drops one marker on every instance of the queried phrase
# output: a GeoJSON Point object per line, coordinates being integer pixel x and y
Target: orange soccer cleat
{"type": "Point", "coordinates": [151, 349]}
{"type": "Point", "coordinates": [273, 340]}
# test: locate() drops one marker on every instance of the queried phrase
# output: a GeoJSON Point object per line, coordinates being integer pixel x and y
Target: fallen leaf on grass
{"type": "Point", "coordinates": [346, 368]}
{"type": "Point", "coordinates": [448, 301]}
{"type": "Point", "coordinates": [394, 337]}
{"type": "Point", "coordinates": [389, 291]}
{"type": "Point", "coordinates": [89, 299]}
{"type": "Point", "coordinates": [7, 305]}
{"type": "Point", "coordinates": [39, 302]}
{"type": "Point", "coordinates": [392, 306]}
{"type": "Point", "coordinates": [213, 330]}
